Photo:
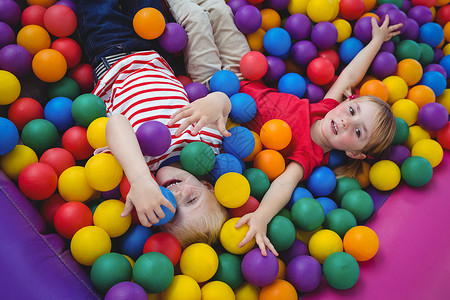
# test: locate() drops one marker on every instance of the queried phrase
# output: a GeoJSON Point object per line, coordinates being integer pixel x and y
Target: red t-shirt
{"type": "Point", "coordinates": [298, 113]}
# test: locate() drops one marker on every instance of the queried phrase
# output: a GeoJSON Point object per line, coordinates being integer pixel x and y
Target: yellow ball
{"type": "Point", "coordinates": [305, 236]}
{"type": "Point", "coordinates": [321, 10]}
{"type": "Point", "coordinates": [397, 87]}
{"type": "Point", "coordinates": [16, 160]}
{"type": "Point", "coordinates": [96, 133]}
{"type": "Point", "coordinates": [246, 291]}
{"type": "Point", "coordinates": [416, 133]}
{"type": "Point", "coordinates": [444, 99]}
{"type": "Point", "coordinates": [430, 150]}
{"type": "Point", "coordinates": [88, 244]}
{"type": "Point", "coordinates": [73, 186]}
{"type": "Point", "coordinates": [384, 175]}
{"type": "Point", "coordinates": [182, 287]}
{"type": "Point", "coordinates": [215, 290]}
{"type": "Point", "coordinates": [107, 216]}
{"type": "Point", "coordinates": [230, 237]}
{"type": "Point", "coordinates": [103, 172]}
{"type": "Point", "coordinates": [323, 243]}
{"type": "Point", "coordinates": [297, 6]}
{"type": "Point", "coordinates": [446, 49]}
{"type": "Point", "coordinates": [130, 260]}
{"type": "Point", "coordinates": [199, 261]}
{"type": "Point", "coordinates": [232, 190]}
{"type": "Point", "coordinates": [156, 296]}
{"type": "Point", "coordinates": [344, 29]}
{"type": "Point", "coordinates": [407, 110]}
{"type": "Point", "coordinates": [9, 87]}
{"type": "Point", "coordinates": [255, 42]}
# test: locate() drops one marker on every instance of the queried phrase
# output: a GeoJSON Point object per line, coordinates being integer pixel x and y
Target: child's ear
{"type": "Point", "coordinates": [355, 154]}
{"type": "Point", "coordinates": [208, 185]}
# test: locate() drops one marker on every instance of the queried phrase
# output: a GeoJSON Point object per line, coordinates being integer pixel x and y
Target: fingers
{"type": "Point", "coordinates": [222, 128]}
{"type": "Point", "coordinates": [198, 126]}
{"type": "Point", "coordinates": [242, 221]}
{"type": "Point", "coordinates": [169, 205]}
{"type": "Point", "coordinates": [183, 126]}
{"type": "Point", "coordinates": [270, 246]}
{"type": "Point", "coordinates": [128, 208]}
{"type": "Point", "coordinates": [177, 115]}
{"type": "Point", "coordinates": [261, 245]}
{"type": "Point", "coordinates": [159, 212]}
{"type": "Point", "coordinates": [248, 237]}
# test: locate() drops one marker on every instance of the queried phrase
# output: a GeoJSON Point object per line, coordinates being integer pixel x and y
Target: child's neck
{"type": "Point", "coordinates": [317, 136]}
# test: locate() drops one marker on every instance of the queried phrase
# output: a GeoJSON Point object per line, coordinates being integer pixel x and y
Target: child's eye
{"type": "Point", "coordinates": [358, 132]}
{"type": "Point", "coordinates": [352, 111]}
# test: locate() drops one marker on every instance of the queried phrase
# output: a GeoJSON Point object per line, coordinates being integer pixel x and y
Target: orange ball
{"type": "Point", "coordinates": [410, 70]}
{"type": "Point", "coordinates": [256, 150]}
{"type": "Point", "coordinates": [363, 177]}
{"type": "Point", "coordinates": [49, 65]}
{"type": "Point", "coordinates": [34, 38]}
{"type": "Point", "coordinates": [271, 162]}
{"type": "Point", "coordinates": [149, 23]}
{"type": "Point", "coordinates": [279, 289]}
{"type": "Point", "coordinates": [361, 242]}
{"type": "Point", "coordinates": [375, 88]}
{"type": "Point", "coordinates": [369, 5]}
{"type": "Point", "coordinates": [270, 19]}
{"type": "Point", "coordinates": [275, 134]}
{"type": "Point", "coordinates": [44, 3]}
{"type": "Point", "coordinates": [421, 95]}
{"type": "Point", "coordinates": [281, 269]}
{"type": "Point", "coordinates": [255, 40]}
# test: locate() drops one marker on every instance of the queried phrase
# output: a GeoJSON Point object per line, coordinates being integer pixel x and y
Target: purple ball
{"type": "Point", "coordinates": [388, 46]}
{"type": "Point", "coordinates": [112, 194]}
{"type": "Point", "coordinates": [196, 90]}
{"type": "Point", "coordinates": [411, 31]}
{"type": "Point", "coordinates": [303, 52]}
{"type": "Point", "coordinates": [396, 16]}
{"type": "Point", "coordinates": [297, 248]}
{"type": "Point", "coordinates": [277, 4]}
{"type": "Point", "coordinates": [298, 26]}
{"type": "Point", "coordinates": [174, 38]}
{"type": "Point", "coordinates": [126, 290]}
{"type": "Point", "coordinates": [248, 19]}
{"type": "Point", "coordinates": [384, 65]}
{"type": "Point", "coordinates": [421, 14]}
{"type": "Point", "coordinates": [154, 138]}
{"type": "Point", "coordinates": [314, 93]}
{"type": "Point", "coordinates": [438, 55]}
{"type": "Point", "coordinates": [436, 68]}
{"type": "Point", "coordinates": [432, 116]}
{"type": "Point", "coordinates": [236, 4]}
{"type": "Point", "coordinates": [259, 270]}
{"type": "Point", "coordinates": [383, 9]}
{"type": "Point", "coordinates": [70, 4]}
{"type": "Point", "coordinates": [406, 5]}
{"type": "Point", "coordinates": [276, 69]}
{"type": "Point", "coordinates": [363, 29]}
{"type": "Point", "coordinates": [15, 59]}
{"type": "Point", "coordinates": [304, 272]}
{"type": "Point", "coordinates": [324, 35]}
{"type": "Point", "coordinates": [398, 154]}
{"type": "Point", "coordinates": [9, 12]}
{"type": "Point", "coordinates": [7, 35]}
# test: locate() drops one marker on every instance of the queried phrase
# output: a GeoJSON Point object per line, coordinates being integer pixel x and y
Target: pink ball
{"type": "Point", "coordinates": [253, 65]}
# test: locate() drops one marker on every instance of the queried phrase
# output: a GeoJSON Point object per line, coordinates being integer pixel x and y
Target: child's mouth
{"type": "Point", "coordinates": [334, 127]}
{"type": "Point", "coordinates": [171, 183]}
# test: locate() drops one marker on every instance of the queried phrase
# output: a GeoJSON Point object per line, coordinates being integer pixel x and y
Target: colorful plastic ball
{"type": "Point", "coordinates": [255, 40]}
{"type": "Point", "coordinates": [89, 243]}
{"type": "Point", "coordinates": [397, 87]}
{"type": "Point", "coordinates": [437, 68]}
{"type": "Point", "coordinates": [196, 90]}
{"type": "Point", "coordinates": [224, 81]}
{"type": "Point", "coordinates": [344, 29]}
{"type": "Point", "coordinates": [416, 171]}
{"type": "Point", "coordinates": [349, 48]}
{"type": "Point", "coordinates": [432, 116]}
{"type": "Point", "coordinates": [341, 270]}
{"type": "Point", "coordinates": [297, 194]}
{"type": "Point", "coordinates": [431, 33]}
{"type": "Point", "coordinates": [71, 217]}
{"type": "Point", "coordinates": [110, 269]}
{"type": "Point", "coordinates": [243, 108]}
{"type": "Point", "coordinates": [340, 221]}
{"type": "Point", "coordinates": [258, 180]}
{"type": "Point", "coordinates": [230, 237]}
{"type": "Point", "coordinates": [229, 270]}
{"type": "Point", "coordinates": [344, 185]}
{"type": "Point", "coordinates": [398, 154]}
{"type": "Point", "coordinates": [72, 185]}
{"type": "Point", "coordinates": [182, 287]}
{"type": "Point", "coordinates": [60, 20]}
{"type": "Point", "coordinates": [304, 272]}
{"type": "Point", "coordinates": [361, 242]}
{"type": "Point", "coordinates": [445, 63]}
{"type": "Point", "coordinates": [332, 56]}
{"type": "Point", "coordinates": [407, 110]}
{"type": "Point", "coordinates": [96, 133]}
{"type": "Point", "coordinates": [363, 29]}
{"type": "Point", "coordinates": [7, 35]}
{"type": "Point", "coordinates": [298, 26]}
{"type": "Point", "coordinates": [292, 83]}
{"type": "Point", "coordinates": [174, 38]}
{"type": "Point", "coordinates": [248, 19]}
{"type": "Point", "coordinates": [103, 172]}
{"type": "Point", "coordinates": [249, 206]}
{"type": "Point", "coordinates": [232, 190]}
{"type": "Point", "coordinates": [49, 207]}
{"type": "Point", "coordinates": [38, 181]}
{"type": "Point", "coordinates": [307, 214]}
{"type": "Point", "coordinates": [298, 248]}
{"type": "Point", "coordinates": [108, 216]}
{"type": "Point", "coordinates": [359, 203]}
{"type": "Point", "coordinates": [281, 233]}
{"type": "Point", "coordinates": [153, 271]}
{"type": "Point", "coordinates": [247, 291]}
{"type": "Point", "coordinates": [33, 14]}
{"type": "Point", "coordinates": [421, 95]}
{"type": "Point", "coordinates": [34, 38]}
{"type": "Point", "coordinates": [10, 12]}
{"type": "Point", "coordinates": [276, 134]}
{"type": "Point", "coordinates": [351, 9]}
{"type": "Point", "coordinates": [443, 136]}
{"type": "Point", "coordinates": [259, 270]}
{"type": "Point", "coordinates": [82, 74]}
{"type": "Point", "coordinates": [321, 10]}
{"type": "Point", "coordinates": [314, 93]}
{"type": "Point", "coordinates": [241, 142]}
{"type": "Point", "coordinates": [184, 80]}
{"type": "Point", "coordinates": [199, 261]}
{"type": "Point", "coordinates": [10, 136]}
{"type": "Point", "coordinates": [125, 290]}
{"type": "Point", "coordinates": [327, 204]}
{"type": "Point", "coordinates": [15, 59]}
{"type": "Point", "coordinates": [276, 69]}
{"type": "Point", "coordinates": [416, 133]}
{"type": "Point", "coordinates": [168, 215]}
{"type": "Point", "coordinates": [256, 149]}
{"type": "Point", "coordinates": [66, 87]}
{"type": "Point", "coordinates": [132, 242]}
{"type": "Point", "coordinates": [410, 70]}
{"type": "Point", "coordinates": [384, 64]}
{"type": "Point", "coordinates": [86, 108]}
{"type": "Point", "coordinates": [320, 71]}
{"type": "Point", "coordinates": [322, 181]}
{"type": "Point", "coordinates": [164, 243]}
{"type": "Point", "coordinates": [303, 52]}
{"type": "Point", "coordinates": [10, 88]}
{"type": "Point", "coordinates": [59, 111]}
{"type": "Point", "coordinates": [435, 80]}
{"type": "Point", "coordinates": [39, 135]}
{"type": "Point", "coordinates": [154, 138]}
{"type": "Point", "coordinates": [324, 35]}
{"type": "Point", "coordinates": [411, 31]}
{"type": "Point", "coordinates": [58, 158]}
{"type": "Point", "coordinates": [421, 14]}
{"type": "Point", "coordinates": [197, 158]}
{"type": "Point", "coordinates": [277, 42]}
{"type": "Point", "coordinates": [236, 4]}
{"type": "Point", "coordinates": [385, 175]}
{"type": "Point", "coordinates": [13, 162]}
{"type": "Point", "coordinates": [271, 162]}
{"type": "Point", "coordinates": [217, 289]}
{"type": "Point", "coordinates": [49, 65]}
{"type": "Point", "coordinates": [324, 243]}
{"type": "Point", "coordinates": [279, 289]}
{"type": "Point", "coordinates": [376, 88]}
{"type": "Point", "coordinates": [70, 49]}
{"type": "Point", "coordinates": [75, 141]}
{"type": "Point", "coordinates": [149, 23]}
{"type": "Point", "coordinates": [225, 163]}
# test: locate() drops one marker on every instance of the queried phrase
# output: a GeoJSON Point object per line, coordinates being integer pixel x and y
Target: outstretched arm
{"type": "Point", "coordinates": [357, 68]}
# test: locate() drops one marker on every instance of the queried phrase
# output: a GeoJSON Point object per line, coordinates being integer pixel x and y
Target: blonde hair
{"type": "Point", "coordinates": [380, 140]}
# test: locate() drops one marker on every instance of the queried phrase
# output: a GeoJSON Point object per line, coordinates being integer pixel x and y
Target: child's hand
{"type": "Point", "coordinates": [384, 32]}
{"type": "Point", "coordinates": [257, 229]}
{"type": "Point", "coordinates": [212, 109]}
{"type": "Point", "coordinates": [146, 196]}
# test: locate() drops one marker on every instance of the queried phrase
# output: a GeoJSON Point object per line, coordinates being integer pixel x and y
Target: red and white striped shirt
{"type": "Point", "coordinates": [143, 87]}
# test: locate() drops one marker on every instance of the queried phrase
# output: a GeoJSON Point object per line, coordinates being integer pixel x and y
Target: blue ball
{"type": "Point", "coordinates": [336, 159]}
{"type": "Point", "coordinates": [241, 142]}
{"type": "Point", "coordinates": [224, 81]}
{"type": "Point", "coordinates": [445, 63]}
{"type": "Point", "coordinates": [9, 136]}
{"type": "Point", "coordinates": [434, 80]}
{"type": "Point", "coordinates": [132, 242]}
{"type": "Point", "coordinates": [59, 111]}
{"type": "Point", "coordinates": [349, 49]}
{"type": "Point", "coordinates": [243, 108]}
{"type": "Point", "coordinates": [277, 41]}
{"type": "Point", "coordinates": [321, 182]}
{"type": "Point", "coordinates": [327, 204]}
{"type": "Point", "coordinates": [225, 163]}
{"type": "Point", "coordinates": [297, 194]}
{"type": "Point", "coordinates": [292, 83]}
{"type": "Point", "coordinates": [431, 33]}
{"type": "Point", "coordinates": [168, 214]}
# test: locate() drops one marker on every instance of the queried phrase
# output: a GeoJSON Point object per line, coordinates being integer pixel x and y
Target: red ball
{"type": "Point", "coordinates": [443, 15]}
{"type": "Point", "coordinates": [443, 136]}
{"type": "Point", "coordinates": [50, 206]}
{"type": "Point", "coordinates": [253, 65]}
{"type": "Point", "coordinates": [82, 74]}
{"type": "Point", "coordinates": [427, 3]}
{"type": "Point", "coordinates": [164, 243]}
{"type": "Point", "coordinates": [58, 158]}
{"type": "Point", "coordinates": [70, 49]}
{"type": "Point", "coordinates": [249, 206]}
{"type": "Point", "coordinates": [75, 141]}
{"type": "Point", "coordinates": [184, 79]}
{"type": "Point", "coordinates": [351, 9]}
{"type": "Point", "coordinates": [24, 110]}
{"type": "Point", "coordinates": [33, 15]}
{"type": "Point", "coordinates": [320, 71]}
{"type": "Point", "coordinates": [71, 217]}
{"type": "Point", "coordinates": [124, 186]}
{"type": "Point", "coordinates": [60, 20]}
{"type": "Point", "coordinates": [38, 181]}
{"type": "Point", "coordinates": [332, 56]}
{"type": "Point", "coordinates": [134, 216]}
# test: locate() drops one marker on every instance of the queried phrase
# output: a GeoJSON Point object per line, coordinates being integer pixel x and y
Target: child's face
{"type": "Point", "coordinates": [349, 125]}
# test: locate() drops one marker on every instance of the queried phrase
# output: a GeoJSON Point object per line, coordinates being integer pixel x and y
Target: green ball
{"type": "Point", "coordinates": [197, 158]}
{"type": "Point", "coordinates": [229, 270]}
{"type": "Point", "coordinates": [307, 214]}
{"type": "Point", "coordinates": [401, 132]}
{"type": "Point", "coordinates": [153, 271]}
{"type": "Point", "coordinates": [285, 213]}
{"type": "Point", "coordinates": [86, 108]}
{"type": "Point", "coordinates": [407, 49]}
{"type": "Point", "coordinates": [359, 203]}
{"type": "Point", "coordinates": [397, 3]}
{"type": "Point", "coordinates": [343, 185]}
{"type": "Point", "coordinates": [110, 269]}
{"type": "Point", "coordinates": [40, 135]}
{"type": "Point", "coordinates": [259, 182]}
{"type": "Point", "coordinates": [416, 171]}
{"type": "Point", "coordinates": [281, 232]}
{"type": "Point", "coordinates": [66, 87]}
{"type": "Point", "coordinates": [427, 54]}
{"type": "Point", "coordinates": [340, 221]}
{"type": "Point", "coordinates": [341, 270]}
